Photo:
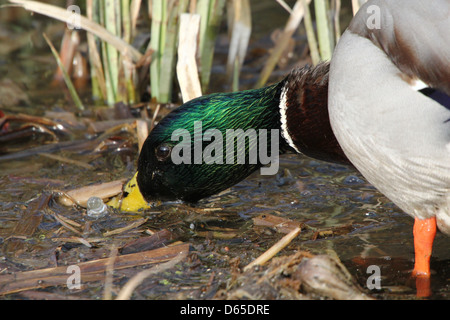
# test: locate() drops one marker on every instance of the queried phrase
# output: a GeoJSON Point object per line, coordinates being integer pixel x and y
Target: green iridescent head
{"type": "Point", "coordinates": [210, 143]}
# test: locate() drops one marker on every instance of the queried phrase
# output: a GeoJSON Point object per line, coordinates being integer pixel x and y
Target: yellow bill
{"type": "Point", "coordinates": [131, 199]}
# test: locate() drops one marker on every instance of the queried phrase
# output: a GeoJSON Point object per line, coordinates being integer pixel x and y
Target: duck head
{"type": "Point", "coordinates": [213, 142]}
{"type": "Point", "coordinates": [185, 156]}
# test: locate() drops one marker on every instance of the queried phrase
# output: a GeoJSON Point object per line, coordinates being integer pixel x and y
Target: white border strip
{"type": "Point", "coordinates": [284, 129]}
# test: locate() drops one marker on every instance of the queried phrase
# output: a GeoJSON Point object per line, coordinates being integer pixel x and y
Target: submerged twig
{"type": "Point", "coordinates": [126, 292]}
{"type": "Point", "coordinates": [65, 224]}
{"type": "Point", "coordinates": [132, 225]}
{"type": "Point", "coordinates": [107, 294]}
{"type": "Point", "coordinates": [26, 226]}
{"type": "Point", "coordinates": [272, 251]}
{"type": "Point", "coordinates": [280, 224]}
{"type": "Point", "coordinates": [67, 160]}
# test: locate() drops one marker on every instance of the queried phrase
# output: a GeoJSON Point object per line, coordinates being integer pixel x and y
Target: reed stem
{"type": "Point", "coordinates": [325, 36]}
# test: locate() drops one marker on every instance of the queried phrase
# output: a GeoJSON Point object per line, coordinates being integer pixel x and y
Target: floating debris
{"type": "Point", "coordinates": [96, 208]}
{"type": "Point", "coordinates": [325, 276]}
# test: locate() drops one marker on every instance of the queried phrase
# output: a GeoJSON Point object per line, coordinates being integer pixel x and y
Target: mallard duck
{"type": "Point", "coordinates": [397, 136]}
{"type": "Point", "coordinates": [272, 112]}
{"type": "Point", "coordinates": [365, 112]}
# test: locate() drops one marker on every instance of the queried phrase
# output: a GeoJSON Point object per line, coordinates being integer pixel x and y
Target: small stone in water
{"type": "Point", "coordinates": [353, 180]}
{"type": "Point", "coordinates": [96, 208]}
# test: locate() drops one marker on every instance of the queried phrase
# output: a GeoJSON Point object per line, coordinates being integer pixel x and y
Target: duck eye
{"type": "Point", "coordinates": [163, 152]}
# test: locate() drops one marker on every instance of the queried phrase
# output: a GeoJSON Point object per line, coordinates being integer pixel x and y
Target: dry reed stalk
{"type": "Point", "coordinates": [141, 132]}
{"type": "Point", "coordinates": [356, 4]}
{"type": "Point", "coordinates": [311, 36]}
{"type": "Point", "coordinates": [325, 36]}
{"type": "Point", "coordinates": [187, 71]}
{"type": "Point", "coordinates": [73, 92]}
{"type": "Point", "coordinates": [211, 12]}
{"type": "Point", "coordinates": [292, 24]}
{"type": "Point", "coordinates": [86, 24]}
{"type": "Point", "coordinates": [239, 20]}
{"type": "Point", "coordinates": [93, 270]}
{"type": "Point", "coordinates": [81, 195]}
{"type": "Point", "coordinates": [97, 74]}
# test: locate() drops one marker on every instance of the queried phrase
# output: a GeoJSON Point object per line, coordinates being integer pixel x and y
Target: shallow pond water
{"type": "Point", "coordinates": [221, 229]}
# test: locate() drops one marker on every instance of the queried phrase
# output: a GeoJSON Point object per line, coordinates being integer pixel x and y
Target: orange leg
{"type": "Point", "coordinates": [424, 233]}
